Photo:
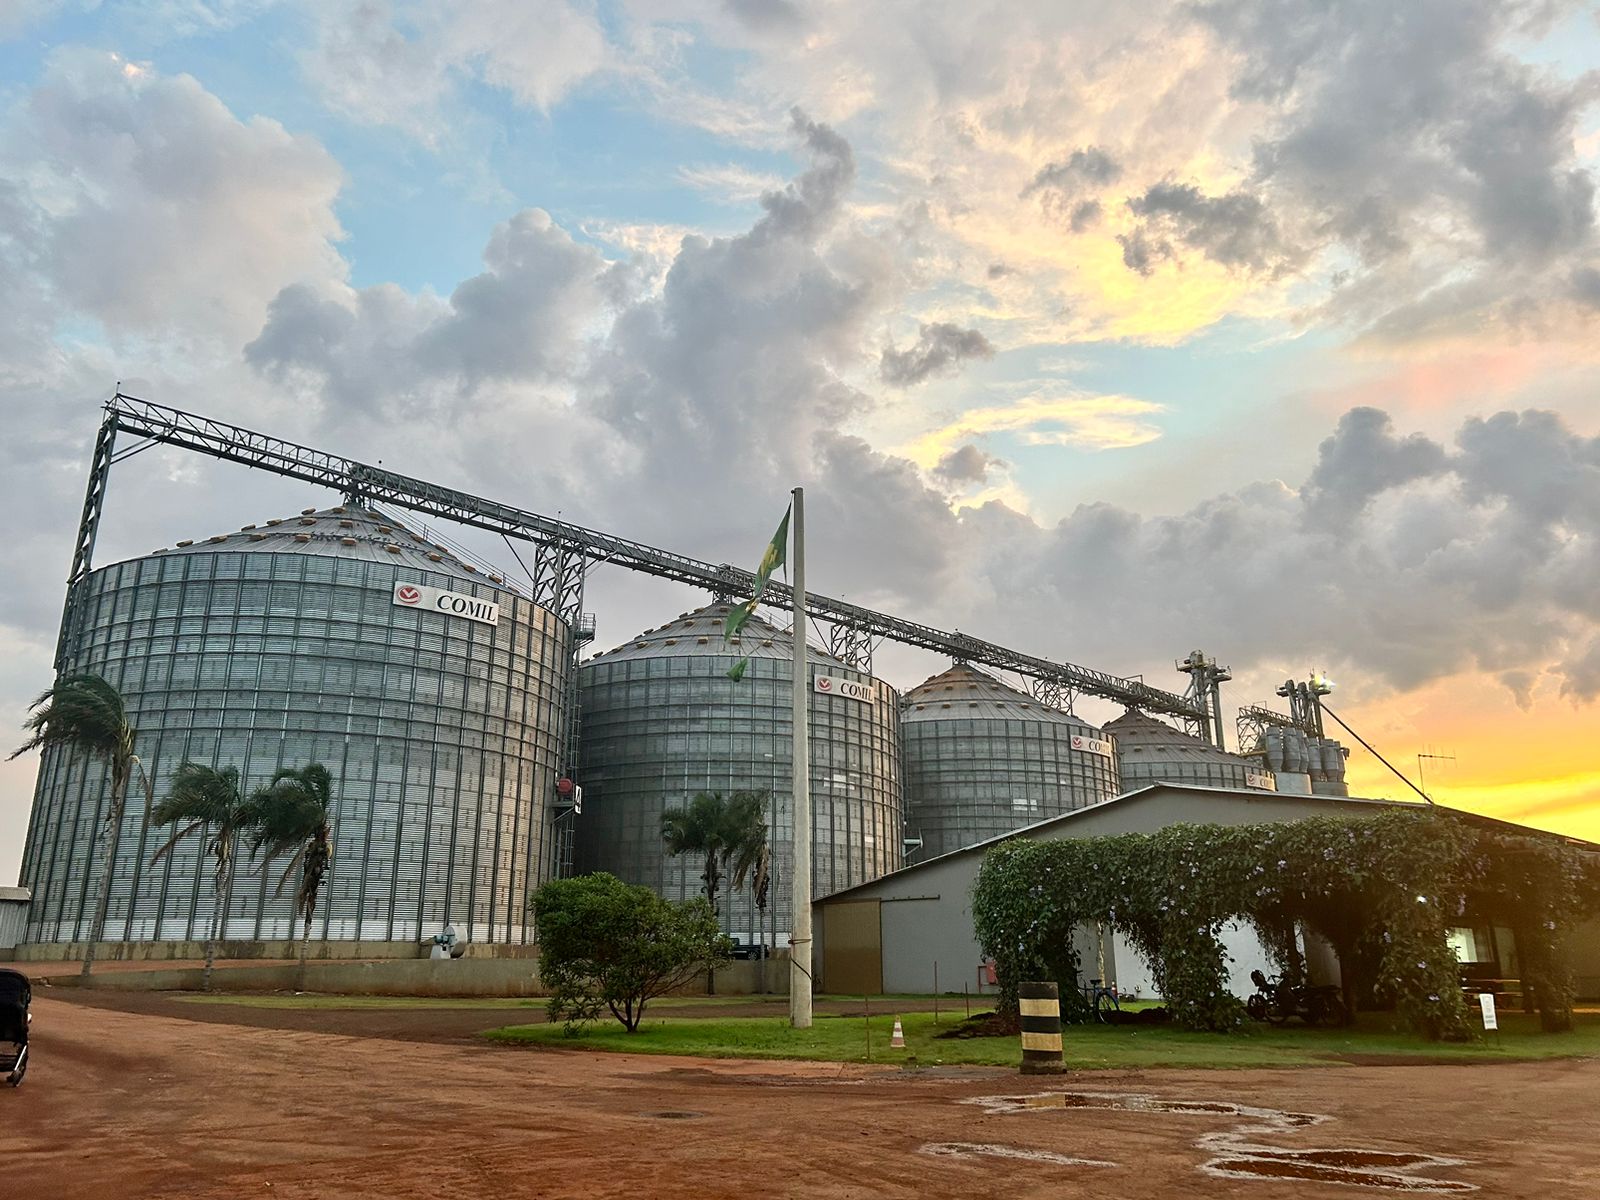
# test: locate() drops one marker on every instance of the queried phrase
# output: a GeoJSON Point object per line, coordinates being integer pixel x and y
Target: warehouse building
{"type": "Point", "coordinates": [898, 934]}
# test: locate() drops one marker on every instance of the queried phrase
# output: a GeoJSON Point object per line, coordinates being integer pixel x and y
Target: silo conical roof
{"type": "Point", "coordinates": [345, 531]}
{"type": "Point", "coordinates": [966, 693]}
{"type": "Point", "coordinates": [700, 632]}
{"type": "Point", "coordinates": [1150, 750]}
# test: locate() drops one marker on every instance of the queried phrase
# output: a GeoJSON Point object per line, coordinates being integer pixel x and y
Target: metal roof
{"type": "Point", "coordinates": [345, 532]}
{"type": "Point", "coordinates": [964, 693]}
{"type": "Point", "coordinates": [699, 632]}
{"type": "Point", "coordinates": [1125, 798]}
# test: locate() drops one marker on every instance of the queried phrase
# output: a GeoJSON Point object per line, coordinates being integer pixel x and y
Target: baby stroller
{"type": "Point", "coordinates": [15, 996]}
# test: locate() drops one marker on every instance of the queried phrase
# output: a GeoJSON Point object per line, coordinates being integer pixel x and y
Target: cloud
{"type": "Point", "coordinates": [637, 388]}
{"type": "Point", "coordinates": [1235, 229]}
{"type": "Point", "coordinates": [1402, 177]}
{"type": "Point", "coordinates": [1047, 415]}
{"type": "Point", "coordinates": [965, 466]}
{"type": "Point", "coordinates": [1067, 187]}
{"type": "Point", "coordinates": [1481, 556]}
{"type": "Point", "coordinates": [1415, 141]}
{"type": "Point", "coordinates": [17, 16]}
{"type": "Point", "coordinates": [402, 63]}
{"type": "Point", "coordinates": [1088, 168]}
{"type": "Point", "coordinates": [940, 349]}
{"type": "Point", "coordinates": [767, 16]}
{"type": "Point", "coordinates": [729, 183]}
{"type": "Point", "coordinates": [151, 207]}
{"type": "Point", "coordinates": [1362, 460]}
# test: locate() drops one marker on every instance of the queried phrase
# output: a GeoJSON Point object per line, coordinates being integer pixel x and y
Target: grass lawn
{"type": "Point", "coordinates": [321, 1000]}
{"type": "Point", "coordinates": [318, 1000]}
{"type": "Point", "coordinates": [314, 1000]}
{"type": "Point", "coordinates": [843, 1039]}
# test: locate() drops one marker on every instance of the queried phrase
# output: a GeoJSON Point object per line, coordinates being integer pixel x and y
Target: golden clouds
{"type": "Point", "coordinates": [1047, 416]}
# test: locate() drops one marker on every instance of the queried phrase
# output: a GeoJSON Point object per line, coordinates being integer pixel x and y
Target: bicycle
{"type": "Point", "coordinates": [1102, 1000]}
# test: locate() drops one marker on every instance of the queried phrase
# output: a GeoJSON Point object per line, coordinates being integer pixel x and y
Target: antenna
{"type": "Point", "coordinates": [1421, 778]}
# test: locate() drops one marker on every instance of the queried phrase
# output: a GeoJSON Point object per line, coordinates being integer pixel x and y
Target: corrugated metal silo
{"type": "Point", "coordinates": [1149, 751]}
{"type": "Point", "coordinates": [661, 721]}
{"type": "Point", "coordinates": [983, 759]}
{"type": "Point", "coordinates": [318, 638]}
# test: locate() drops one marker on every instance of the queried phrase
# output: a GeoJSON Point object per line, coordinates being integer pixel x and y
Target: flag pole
{"type": "Point", "coordinates": [800, 882]}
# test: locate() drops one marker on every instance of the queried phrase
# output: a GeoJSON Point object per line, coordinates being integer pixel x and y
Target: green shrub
{"type": "Point", "coordinates": [1383, 890]}
{"type": "Point", "coordinates": [607, 945]}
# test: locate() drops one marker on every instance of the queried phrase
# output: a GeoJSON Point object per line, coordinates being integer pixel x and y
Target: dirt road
{"type": "Point", "coordinates": [132, 1104]}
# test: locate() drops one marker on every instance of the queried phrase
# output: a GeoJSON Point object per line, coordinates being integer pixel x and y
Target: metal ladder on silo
{"type": "Point", "coordinates": [566, 819]}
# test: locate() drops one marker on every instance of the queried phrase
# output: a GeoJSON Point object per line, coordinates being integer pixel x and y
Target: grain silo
{"type": "Point", "coordinates": [433, 693]}
{"type": "Point", "coordinates": [1152, 752]}
{"type": "Point", "coordinates": [983, 759]}
{"type": "Point", "coordinates": [661, 721]}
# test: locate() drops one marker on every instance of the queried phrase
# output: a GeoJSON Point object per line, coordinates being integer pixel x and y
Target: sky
{"type": "Point", "coordinates": [1108, 333]}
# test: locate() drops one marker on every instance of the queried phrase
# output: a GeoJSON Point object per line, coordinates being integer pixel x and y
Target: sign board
{"type": "Point", "coordinates": [833, 685]}
{"type": "Point", "coordinates": [1261, 779]}
{"type": "Point", "coordinates": [1486, 1003]}
{"type": "Point", "coordinates": [1092, 745]}
{"type": "Point", "coordinates": [452, 604]}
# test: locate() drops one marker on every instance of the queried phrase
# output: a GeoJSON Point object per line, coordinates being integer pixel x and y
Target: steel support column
{"type": "Point", "coordinates": [94, 502]}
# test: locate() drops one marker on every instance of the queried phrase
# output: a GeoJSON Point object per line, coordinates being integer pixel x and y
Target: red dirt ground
{"type": "Point", "coordinates": [133, 1096]}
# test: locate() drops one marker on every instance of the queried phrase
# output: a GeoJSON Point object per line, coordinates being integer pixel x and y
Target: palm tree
{"type": "Point", "coordinates": [293, 815]}
{"type": "Point", "coordinates": [751, 860]}
{"type": "Point", "coordinates": [717, 828]}
{"type": "Point", "coordinates": [208, 801]}
{"type": "Point", "coordinates": [86, 713]}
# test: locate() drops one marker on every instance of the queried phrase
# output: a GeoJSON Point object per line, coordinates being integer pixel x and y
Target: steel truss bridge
{"type": "Point", "coordinates": [564, 552]}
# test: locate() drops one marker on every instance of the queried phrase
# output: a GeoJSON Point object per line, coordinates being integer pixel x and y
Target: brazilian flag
{"type": "Point", "coordinates": [776, 556]}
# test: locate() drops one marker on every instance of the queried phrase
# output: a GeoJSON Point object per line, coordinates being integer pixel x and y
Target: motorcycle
{"type": "Point", "coordinates": [1277, 999]}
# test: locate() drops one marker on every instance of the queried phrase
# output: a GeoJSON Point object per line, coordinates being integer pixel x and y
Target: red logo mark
{"type": "Point", "coordinates": [407, 594]}
{"type": "Point", "coordinates": [824, 685]}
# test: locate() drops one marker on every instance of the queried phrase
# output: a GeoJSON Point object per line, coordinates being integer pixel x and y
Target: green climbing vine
{"type": "Point", "coordinates": [1384, 891]}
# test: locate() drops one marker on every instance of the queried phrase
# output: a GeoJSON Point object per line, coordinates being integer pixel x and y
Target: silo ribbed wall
{"type": "Point", "coordinates": [1150, 751]}
{"type": "Point", "coordinates": [661, 721]}
{"type": "Point", "coordinates": [287, 646]}
{"type": "Point", "coordinates": [983, 759]}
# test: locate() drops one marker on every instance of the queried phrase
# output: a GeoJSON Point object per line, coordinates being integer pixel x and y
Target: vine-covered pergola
{"type": "Point", "coordinates": [1383, 891]}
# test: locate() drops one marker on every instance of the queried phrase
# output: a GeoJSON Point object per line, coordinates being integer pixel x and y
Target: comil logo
{"type": "Point", "coordinates": [453, 604]}
{"type": "Point", "coordinates": [845, 689]}
{"type": "Point", "coordinates": [1091, 745]}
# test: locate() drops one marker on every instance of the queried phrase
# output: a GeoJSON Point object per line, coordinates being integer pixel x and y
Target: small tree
{"type": "Point", "coordinates": [719, 828]}
{"type": "Point", "coordinates": [294, 815]}
{"type": "Point", "coordinates": [605, 944]}
{"type": "Point", "coordinates": [205, 801]}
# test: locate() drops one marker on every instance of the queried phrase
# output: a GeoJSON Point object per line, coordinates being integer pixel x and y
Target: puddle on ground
{"type": "Point", "coordinates": [1136, 1103]}
{"type": "Point", "coordinates": [1321, 1166]}
{"type": "Point", "coordinates": [1235, 1156]}
{"type": "Point", "coordinates": [986, 1149]}
{"type": "Point", "coordinates": [674, 1115]}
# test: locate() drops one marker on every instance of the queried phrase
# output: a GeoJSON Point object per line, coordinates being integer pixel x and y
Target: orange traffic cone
{"type": "Point", "coordinates": [898, 1040]}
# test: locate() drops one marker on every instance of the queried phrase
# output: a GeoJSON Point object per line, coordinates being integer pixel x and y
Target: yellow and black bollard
{"type": "Point", "coordinates": [1040, 1005]}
